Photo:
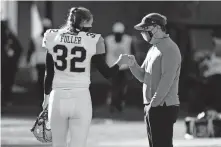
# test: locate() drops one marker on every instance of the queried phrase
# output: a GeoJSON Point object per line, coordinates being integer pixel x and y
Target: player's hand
{"type": "Point", "coordinates": [45, 102]}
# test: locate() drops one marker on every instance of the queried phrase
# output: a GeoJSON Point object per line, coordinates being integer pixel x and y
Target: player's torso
{"type": "Point", "coordinates": [72, 58]}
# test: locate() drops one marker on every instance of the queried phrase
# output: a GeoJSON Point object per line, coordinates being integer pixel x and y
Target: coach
{"type": "Point", "coordinates": [159, 74]}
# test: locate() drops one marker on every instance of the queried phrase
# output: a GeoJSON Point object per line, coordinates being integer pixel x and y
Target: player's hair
{"type": "Point", "coordinates": [76, 16]}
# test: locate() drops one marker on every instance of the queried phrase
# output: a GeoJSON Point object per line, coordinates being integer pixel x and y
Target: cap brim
{"type": "Point", "coordinates": [141, 26]}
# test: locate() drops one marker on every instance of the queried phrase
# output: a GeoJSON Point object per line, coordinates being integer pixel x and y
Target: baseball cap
{"type": "Point", "coordinates": [151, 19]}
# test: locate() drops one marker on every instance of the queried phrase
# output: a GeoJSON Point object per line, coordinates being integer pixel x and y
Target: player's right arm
{"type": "Point", "coordinates": [99, 60]}
{"type": "Point", "coordinates": [49, 76]}
{"type": "Point", "coordinates": [49, 70]}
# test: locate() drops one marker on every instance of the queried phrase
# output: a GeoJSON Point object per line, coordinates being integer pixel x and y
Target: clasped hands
{"type": "Point", "coordinates": [126, 59]}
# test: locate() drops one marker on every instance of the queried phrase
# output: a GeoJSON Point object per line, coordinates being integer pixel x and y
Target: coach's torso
{"type": "Point", "coordinates": [154, 72]}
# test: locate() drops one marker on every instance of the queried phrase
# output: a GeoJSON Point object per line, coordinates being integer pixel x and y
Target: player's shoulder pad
{"type": "Point", "coordinates": [93, 36]}
{"type": "Point", "coordinates": [47, 36]}
{"type": "Point", "coordinates": [49, 32]}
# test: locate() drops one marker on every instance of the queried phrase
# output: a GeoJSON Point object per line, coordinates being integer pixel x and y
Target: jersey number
{"type": "Point", "coordinates": [64, 54]}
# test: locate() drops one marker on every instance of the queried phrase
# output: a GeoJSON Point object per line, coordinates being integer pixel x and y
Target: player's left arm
{"type": "Point", "coordinates": [99, 60]}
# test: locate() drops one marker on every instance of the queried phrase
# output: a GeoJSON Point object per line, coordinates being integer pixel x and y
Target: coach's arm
{"type": "Point", "coordinates": [136, 70]}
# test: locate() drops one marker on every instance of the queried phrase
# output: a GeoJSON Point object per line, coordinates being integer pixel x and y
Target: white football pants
{"type": "Point", "coordinates": [70, 112]}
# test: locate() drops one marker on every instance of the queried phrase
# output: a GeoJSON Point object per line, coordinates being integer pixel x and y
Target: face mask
{"type": "Point", "coordinates": [86, 29]}
{"type": "Point", "coordinates": [147, 35]}
{"type": "Point", "coordinates": [118, 37]}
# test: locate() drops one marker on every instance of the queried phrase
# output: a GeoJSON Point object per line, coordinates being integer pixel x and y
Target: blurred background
{"type": "Point", "coordinates": [194, 25]}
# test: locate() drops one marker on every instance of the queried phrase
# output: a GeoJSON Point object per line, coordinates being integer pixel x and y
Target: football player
{"type": "Point", "coordinates": [70, 51]}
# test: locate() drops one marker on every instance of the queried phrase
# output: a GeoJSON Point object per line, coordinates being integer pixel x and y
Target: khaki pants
{"type": "Point", "coordinates": [70, 112]}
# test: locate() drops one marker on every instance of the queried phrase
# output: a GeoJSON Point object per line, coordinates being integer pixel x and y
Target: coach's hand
{"type": "Point", "coordinates": [45, 102]}
{"type": "Point", "coordinates": [147, 109]}
{"type": "Point", "coordinates": [131, 60]}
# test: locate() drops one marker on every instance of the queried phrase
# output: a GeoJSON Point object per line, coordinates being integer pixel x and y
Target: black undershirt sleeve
{"type": "Point", "coordinates": [99, 61]}
{"type": "Point", "coordinates": [49, 76]}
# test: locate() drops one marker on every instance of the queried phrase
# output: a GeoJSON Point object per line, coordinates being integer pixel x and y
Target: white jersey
{"type": "Point", "coordinates": [72, 56]}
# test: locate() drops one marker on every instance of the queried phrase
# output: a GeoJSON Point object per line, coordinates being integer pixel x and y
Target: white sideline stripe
{"type": "Point", "coordinates": [178, 143]}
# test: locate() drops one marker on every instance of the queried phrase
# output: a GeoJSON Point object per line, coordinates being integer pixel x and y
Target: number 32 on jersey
{"type": "Point", "coordinates": [63, 56]}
